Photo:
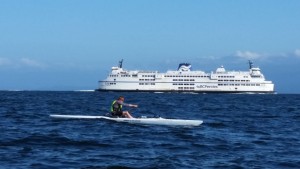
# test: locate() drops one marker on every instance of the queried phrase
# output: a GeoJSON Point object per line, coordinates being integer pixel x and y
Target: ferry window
{"type": "Point", "coordinates": [257, 84]}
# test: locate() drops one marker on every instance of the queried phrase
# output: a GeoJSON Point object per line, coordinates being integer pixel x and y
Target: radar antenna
{"type": "Point", "coordinates": [120, 63]}
{"type": "Point", "coordinates": [250, 64]}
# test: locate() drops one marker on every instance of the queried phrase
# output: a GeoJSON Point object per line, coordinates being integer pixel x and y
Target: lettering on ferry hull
{"type": "Point", "coordinates": [206, 87]}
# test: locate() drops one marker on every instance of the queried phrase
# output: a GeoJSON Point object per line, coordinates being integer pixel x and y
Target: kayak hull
{"type": "Point", "coordinates": [149, 121]}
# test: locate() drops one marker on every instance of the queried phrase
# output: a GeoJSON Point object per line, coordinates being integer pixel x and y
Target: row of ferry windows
{"type": "Point", "coordinates": [183, 79]}
{"type": "Point", "coordinates": [118, 76]}
{"type": "Point", "coordinates": [187, 84]}
{"type": "Point", "coordinates": [184, 84]}
{"type": "Point", "coordinates": [183, 76]}
{"type": "Point", "coordinates": [154, 76]}
{"type": "Point", "coordinates": [146, 79]}
{"type": "Point", "coordinates": [234, 80]}
{"type": "Point", "coordinates": [148, 75]}
{"type": "Point", "coordinates": [146, 83]}
{"type": "Point", "coordinates": [186, 88]}
{"type": "Point", "coordinates": [221, 80]}
{"type": "Point", "coordinates": [132, 75]}
{"type": "Point", "coordinates": [225, 76]}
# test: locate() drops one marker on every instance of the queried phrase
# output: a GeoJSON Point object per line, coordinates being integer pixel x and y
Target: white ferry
{"type": "Point", "coordinates": [186, 80]}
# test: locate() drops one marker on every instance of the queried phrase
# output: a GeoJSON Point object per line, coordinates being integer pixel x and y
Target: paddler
{"type": "Point", "coordinates": [116, 108]}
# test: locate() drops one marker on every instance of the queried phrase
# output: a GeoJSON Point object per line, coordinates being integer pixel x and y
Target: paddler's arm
{"type": "Point", "coordinates": [129, 105]}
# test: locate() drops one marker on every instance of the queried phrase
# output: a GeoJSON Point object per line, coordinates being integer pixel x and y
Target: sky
{"type": "Point", "coordinates": [72, 44]}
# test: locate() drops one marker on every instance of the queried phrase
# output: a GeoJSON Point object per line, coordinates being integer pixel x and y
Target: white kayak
{"type": "Point", "coordinates": [143, 120]}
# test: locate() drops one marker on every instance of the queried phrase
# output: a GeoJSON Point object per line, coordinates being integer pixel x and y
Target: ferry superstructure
{"type": "Point", "coordinates": [186, 80]}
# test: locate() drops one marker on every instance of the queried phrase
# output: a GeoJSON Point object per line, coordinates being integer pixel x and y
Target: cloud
{"type": "Point", "coordinates": [249, 55]}
{"type": "Point", "coordinates": [4, 61]}
{"type": "Point", "coordinates": [32, 63]}
{"type": "Point", "coordinates": [21, 63]}
{"type": "Point", "coordinates": [297, 52]}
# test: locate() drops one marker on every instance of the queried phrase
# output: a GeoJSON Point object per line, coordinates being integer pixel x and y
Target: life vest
{"type": "Point", "coordinates": [115, 107]}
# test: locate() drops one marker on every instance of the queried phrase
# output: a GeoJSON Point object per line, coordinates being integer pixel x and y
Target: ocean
{"type": "Point", "coordinates": [239, 131]}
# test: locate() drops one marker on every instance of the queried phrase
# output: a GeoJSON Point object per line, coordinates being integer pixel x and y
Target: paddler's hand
{"type": "Point", "coordinates": [133, 105]}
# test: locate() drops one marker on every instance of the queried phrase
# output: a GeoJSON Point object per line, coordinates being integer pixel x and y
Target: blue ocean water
{"type": "Point", "coordinates": [239, 131]}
